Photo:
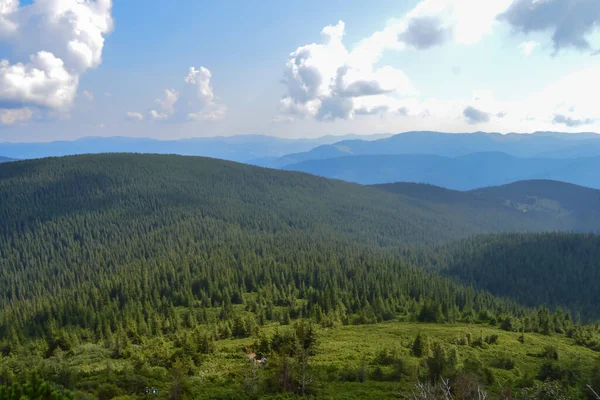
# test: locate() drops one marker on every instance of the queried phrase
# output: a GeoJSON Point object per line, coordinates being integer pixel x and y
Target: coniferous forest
{"type": "Point", "coordinates": [154, 276]}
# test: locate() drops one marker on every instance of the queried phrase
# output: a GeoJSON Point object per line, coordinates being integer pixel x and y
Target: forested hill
{"type": "Point", "coordinates": [93, 240]}
{"type": "Point", "coordinates": [99, 221]}
{"type": "Point", "coordinates": [148, 188]}
{"type": "Point", "coordinates": [555, 269]}
{"type": "Point", "coordinates": [157, 191]}
{"type": "Point", "coordinates": [576, 207]}
{"type": "Point", "coordinates": [5, 159]}
{"type": "Point", "coordinates": [123, 271]}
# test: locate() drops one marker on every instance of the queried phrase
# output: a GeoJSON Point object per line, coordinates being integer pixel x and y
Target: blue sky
{"type": "Point", "coordinates": [73, 68]}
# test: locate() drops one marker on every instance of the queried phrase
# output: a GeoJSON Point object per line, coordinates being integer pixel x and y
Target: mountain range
{"type": "Point", "coordinates": [240, 148]}
{"type": "Point", "coordinates": [537, 144]}
{"type": "Point", "coordinates": [461, 173]}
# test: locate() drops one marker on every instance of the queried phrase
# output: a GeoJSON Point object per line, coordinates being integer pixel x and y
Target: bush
{"type": "Point", "coordinates": [107, 391]}
{"type": "Point", "coordinates": [386, 357]}
{"type": "Point", "coordinates": [492, 339]}
{"type": "Point", "coordinates": [550, 352]}
{"type": "Point", "coordinates": [504, 362]}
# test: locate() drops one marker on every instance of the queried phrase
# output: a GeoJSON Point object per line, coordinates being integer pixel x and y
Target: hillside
{"type": "Point", "coordinates": [559, 270]}
{"type": "Point", "coordinates": [535, 145]}
{"type": "Point", "coordinates": [460, 173]}
{"type": "Point", "coordinates": [121, 271]}
{"type": "Point", "coordinates": [529, 197]}
{"type": "Point", "coordinates": [5, 159]}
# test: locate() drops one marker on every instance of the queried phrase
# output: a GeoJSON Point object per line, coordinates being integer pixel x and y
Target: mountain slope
{"type": "Point", "coordinates": [121, 272]}
{"type": "Point", "coordinates": [113, 214]}
{"type": "Point", "coordinates": [538, 144]}
{"type": "Point", "coordinates": [460, 173]}
{"type": "Point", "coordinates": [5, 159]}
{"type": "Point", "coordinates": [85, 239]}
{"type": "Point", "coordinates": [553, 269]}
{"type": "Point", "coordinates": [535, 199]}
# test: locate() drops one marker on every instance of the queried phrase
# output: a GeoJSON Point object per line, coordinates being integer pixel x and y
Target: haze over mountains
{"type": "Point", "coordinates": [454, 161]}
{"type": "Point", "coordinates": [538, 144]}
{"type": "Point", "coordinates": [461, 173]}
{"type": "Point", "coordinates": [240, 148]}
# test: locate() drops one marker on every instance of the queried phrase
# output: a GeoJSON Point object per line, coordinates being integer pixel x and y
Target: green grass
{"type": "Point", "coordinates": [346, 348]}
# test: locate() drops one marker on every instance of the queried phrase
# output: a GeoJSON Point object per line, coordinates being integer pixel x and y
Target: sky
{"type": "Point", "coordinates": [196, 68]}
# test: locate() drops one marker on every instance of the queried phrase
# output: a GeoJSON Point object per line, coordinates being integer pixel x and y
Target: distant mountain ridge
{"type": "Point", "coordinates": [241, 148]}
{"type": "Point", "coordinates": [6, 159]}
{"type": "Point", "coordinates": [460, 173]}
{"type": "Point", "coordinates": [537, 144]}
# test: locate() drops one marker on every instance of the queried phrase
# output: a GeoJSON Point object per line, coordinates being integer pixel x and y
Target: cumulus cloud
{"type": "Point", "coordinates": [131, 115]}
{"type": "Point", "coordinates": [7, 13]}
{"type": "Point", "coordinates": [326, 81]}
{"type": "Point", "coordinates": [9, 117]}
{"type": "Point", "coordinates": [528, 47]}
{"type": "Point", "coordinates": [88, 95]}
{"type": "Point", "coordinates": [63, 39]}
{"type": "Point", "coordinates": [571, 122]}
{"type": "Point", "coordinates": [196, 101]}
{"type": "Point", "coordinates": [43, 82]}
{"type": "Point", "coordinates": [474, 116]}
{"type": "Point", "coordinates": [201, 79]}
{"type": "Point", "coordinates": [571, 22]}
{"type": "Point", "coordinates": [167, 105]}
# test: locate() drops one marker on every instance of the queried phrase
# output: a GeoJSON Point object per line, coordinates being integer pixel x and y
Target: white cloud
{"type": "Point", "coordinates": [43, 82]}
{"type": "Point", "coordinates": [201, 78]}
{"type": "Point", "coordinates": [212, 112]}
{"type": "Point", "coordinates": [88, 95]}
{"type": "Point", "coordinates": [158, 115]}
{"type": "Point", "coordinates": [9, 117]}
{"type": "Point", "coordinates": [64, 38]}
{"type": "Point", "coordinates": [325, 80]}
{"type": "Point", "coordinates": [167, 104]}
{"type": "Point", "coordinates": [574, 96]}
{"type": "Point", "coordinates": [134, 116]}
{"type": "Point", "coordinates": [108, 94]}
{"type": "Point", "coordinates": [7, 24]}
{"type": "Point", "coordinates": [198, 104]}
{"type": "Point", "coordinates": [464, 21]}
{"type": "Point", "coordinates": [528, 47]}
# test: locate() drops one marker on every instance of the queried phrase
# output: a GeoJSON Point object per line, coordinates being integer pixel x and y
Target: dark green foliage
{"type": "Point", "coordinates": [547, 268]}
{"type": "Point", "coordinates": [504, 362]}
{"type": "Point", "coordinates": [418, 346]}
{"type": "Point", "coordinates": [437, 363]}
{"type": "Point", "coordinates": [550, 352]}
{"type": "Point", "coordinates": [33, 388]}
